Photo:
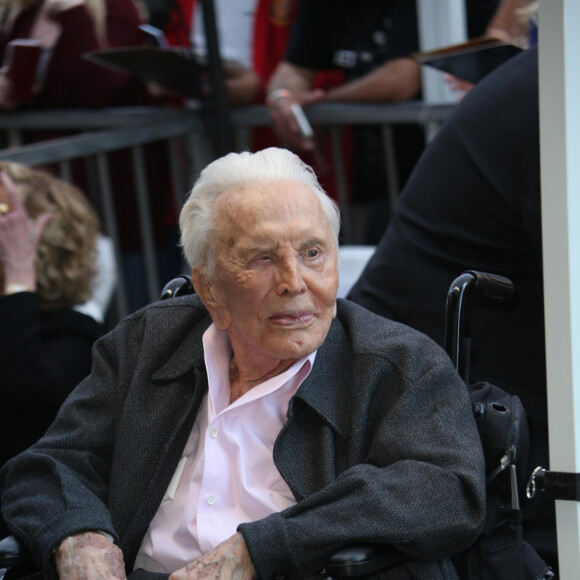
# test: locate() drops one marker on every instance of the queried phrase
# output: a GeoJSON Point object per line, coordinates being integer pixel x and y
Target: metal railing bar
{"type": "Point", "coordinates": [200, 149]}
{"type": "Point", "coordinates": [376, 113]}
{"type": "Point", "coordinates": [85, 119]}
{"type": "Point", "coordinates": [341, 186]}
{"type": "Point", "coordinates": [247, 116]}
{"type": "Point", "coordinates": [96, 142]}
{"type": "Point", "coordinates": [176, 151]}
{"type": "Point", "coordinates": [177, 169]}
{"type": "Point", "coordinates": [92, 183]}
{"type": "Point", "coordinates": [145, 222]}
{"type": "Point", "coordinates": [242, 138]}
{"type": "Point", "coordinates": [350, 113]}
{"type": "Point", "coordinates": [65, 171]}
{"type": "Point", "coordinates": [220, 108]}
{"type": "Point", "coordinates": [391, 172]}
{"type": "Point", "coordinates": [110, 219]}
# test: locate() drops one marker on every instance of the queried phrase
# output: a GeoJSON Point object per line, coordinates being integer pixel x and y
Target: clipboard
{"type": "Point", "coordinates": [175, 69]}
{"type": "Point", "coordinates": [470, 61]}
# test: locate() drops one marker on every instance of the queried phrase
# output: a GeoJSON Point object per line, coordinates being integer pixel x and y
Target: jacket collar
{"type": "Point", "coordinates": [325, 375]}
{"type": "Point", "coordinates": [189, 352]}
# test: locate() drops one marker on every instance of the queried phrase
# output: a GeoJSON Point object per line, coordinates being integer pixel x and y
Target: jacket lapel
{"type": "Point", "coordinates": [305, 450]}
{"type": "Point", "coordinates": [184, 379]}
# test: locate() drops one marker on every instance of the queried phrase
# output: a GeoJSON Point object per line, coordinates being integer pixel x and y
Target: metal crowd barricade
{"type": "Point", "coordinates": [336, 116]}
{"type": "Point", "coordinates": [186, 132]}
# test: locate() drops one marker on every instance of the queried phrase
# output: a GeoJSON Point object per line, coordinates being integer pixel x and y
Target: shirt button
{"type": "Point", "coordinates": [210, 499]}
{"type": "Point", "coordinates": [213, 433]}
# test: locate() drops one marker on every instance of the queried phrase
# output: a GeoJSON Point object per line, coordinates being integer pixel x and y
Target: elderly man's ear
{"type": "Point", "coordinates": [210, 298]}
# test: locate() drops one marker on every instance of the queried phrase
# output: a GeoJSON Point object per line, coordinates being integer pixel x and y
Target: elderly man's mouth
{"type": "Point", "coordinates": [292, 318]}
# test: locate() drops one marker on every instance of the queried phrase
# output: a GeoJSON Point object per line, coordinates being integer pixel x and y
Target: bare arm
{"type": "Point", "coordinates": [397, 80]}
{"type": "Point", "coordinates": [228, 561]}
{"type": "Point", "coordinates": [242, 86]}
{"type": "Point", "coordinates": [291, 84]}
{"type": "Point", "coordinates": [89, 556]}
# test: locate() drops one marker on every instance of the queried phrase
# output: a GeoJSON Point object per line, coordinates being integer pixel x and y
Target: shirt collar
{"type": "Point", "coordinates": [218, 352]}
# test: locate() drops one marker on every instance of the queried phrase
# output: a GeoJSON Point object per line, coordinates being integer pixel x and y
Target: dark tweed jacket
{"type": "Point", "coordinates": [380, 445]}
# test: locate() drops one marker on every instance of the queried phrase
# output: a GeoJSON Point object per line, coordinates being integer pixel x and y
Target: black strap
{"type": "Point", "coordinates": [556, 484]}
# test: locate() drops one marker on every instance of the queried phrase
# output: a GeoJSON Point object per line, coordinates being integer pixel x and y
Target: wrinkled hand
{"type": "Point", "coordinates": [228, 561]}
{"type": "Point", "coordinates": [19, 238]}
{"type": "Point", "coordinates": [283, 122]}
{"type": "Point", "coordinates": [89, 556]}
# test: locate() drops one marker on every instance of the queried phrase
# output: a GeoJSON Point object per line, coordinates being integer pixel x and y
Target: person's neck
{"type": "Point", "coordinates": [244, 377]}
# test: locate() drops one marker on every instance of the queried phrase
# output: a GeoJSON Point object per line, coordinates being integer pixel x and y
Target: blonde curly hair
{"type": "Point", "coordinates": [66, 257]}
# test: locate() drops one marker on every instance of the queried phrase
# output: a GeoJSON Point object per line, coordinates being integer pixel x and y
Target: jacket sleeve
{"type": "Point", "coordinates": [420, 486]}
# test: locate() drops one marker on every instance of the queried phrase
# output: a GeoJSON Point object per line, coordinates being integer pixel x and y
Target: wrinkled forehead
{"type": "Point", "coordinates": [269, 207]}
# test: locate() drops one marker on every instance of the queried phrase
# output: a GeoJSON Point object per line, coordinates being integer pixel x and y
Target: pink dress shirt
{"type": "Point", "coordinates": [226, 475]}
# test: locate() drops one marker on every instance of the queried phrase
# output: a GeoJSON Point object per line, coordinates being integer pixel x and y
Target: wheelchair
{"type": "Point", "coordinates": [360, 560]}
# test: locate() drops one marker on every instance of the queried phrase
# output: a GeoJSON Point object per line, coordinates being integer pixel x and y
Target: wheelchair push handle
{"type": "Point", "coordinates": [490, 287]}
{"type": "Point", "coordinates": [179, 286]}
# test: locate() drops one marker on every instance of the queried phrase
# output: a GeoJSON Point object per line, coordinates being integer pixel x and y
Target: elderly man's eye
{"type": "Point", "coordinates": [312, 253]}
{"type": "Point", "coordinates": [258, 261]}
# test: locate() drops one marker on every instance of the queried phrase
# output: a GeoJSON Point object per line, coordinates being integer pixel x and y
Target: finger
{"type": "Point", "coordinates": [40, 223]}
{"type": "Point", "coordinates": [11, 190]}
{"type": "Point", "coordinates": [285, 124]}
{"type": "Point", "coordinates": [314, 96]}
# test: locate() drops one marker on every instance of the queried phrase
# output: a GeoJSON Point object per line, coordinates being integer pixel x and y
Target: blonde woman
{"type": "Point", "coordinates": [66, 29]}
{"type": "Point", "coordinates": [48, 235]}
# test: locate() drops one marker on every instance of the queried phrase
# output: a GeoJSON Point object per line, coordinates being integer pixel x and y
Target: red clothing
{"type": "Point", "coordinates": [72, 81]}
{"type": "Point", "coordinates": [178, 29]}
{"type": "Point", "coordinates": [272, 25]}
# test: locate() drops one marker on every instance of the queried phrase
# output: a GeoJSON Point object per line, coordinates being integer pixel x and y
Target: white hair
{"type": "Point", "coordinates": [197, 219]}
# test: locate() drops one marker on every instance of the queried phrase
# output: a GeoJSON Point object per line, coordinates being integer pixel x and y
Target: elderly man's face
{"type": "Point", "coordinates": [276, 278]}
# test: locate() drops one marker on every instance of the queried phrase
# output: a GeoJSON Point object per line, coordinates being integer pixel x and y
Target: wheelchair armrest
{"type": "Point", "coordinates": [13, 554]}
{"type": "Point", "coordinates": [364, 559]}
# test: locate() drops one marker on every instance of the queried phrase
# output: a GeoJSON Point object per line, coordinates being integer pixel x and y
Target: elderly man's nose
{"type": "Point", "coordinates": [290, 280]}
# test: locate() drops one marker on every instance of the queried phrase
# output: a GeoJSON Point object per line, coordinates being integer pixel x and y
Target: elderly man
{"type": "Point", "coordinates": [251, 430]}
